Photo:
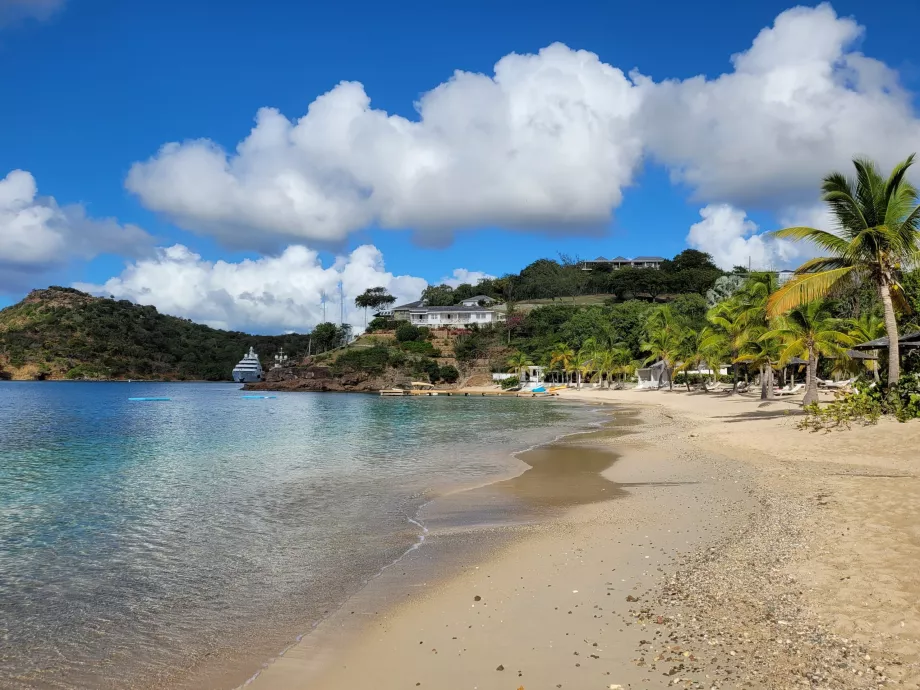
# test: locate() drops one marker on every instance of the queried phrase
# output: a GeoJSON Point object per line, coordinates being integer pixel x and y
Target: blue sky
{"type": "Point", "coordinates": [92, 87]}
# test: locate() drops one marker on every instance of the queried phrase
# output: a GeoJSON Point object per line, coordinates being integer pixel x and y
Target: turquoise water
{"type": "Point", "coordinates": [141, 540]}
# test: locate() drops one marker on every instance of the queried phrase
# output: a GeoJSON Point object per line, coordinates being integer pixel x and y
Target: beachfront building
{"type": "Point", "coordinates": [622, 262]}
{"type": "Point", "coordinates": [455, 316]}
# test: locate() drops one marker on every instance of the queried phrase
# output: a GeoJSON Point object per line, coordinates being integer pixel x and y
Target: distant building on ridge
{"type": "Point", "coordinates": [622, 262]}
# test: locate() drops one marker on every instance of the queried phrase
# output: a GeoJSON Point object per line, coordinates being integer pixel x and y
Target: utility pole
{"type": "Point", "coordinates": [323, 298]}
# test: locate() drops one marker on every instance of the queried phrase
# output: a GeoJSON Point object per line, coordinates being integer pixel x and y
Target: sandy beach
{"type": "Point", "coordinates": [700, 541]}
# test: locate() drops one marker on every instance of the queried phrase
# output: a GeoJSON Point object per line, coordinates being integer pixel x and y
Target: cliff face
{"type": "Point", "coordinates": [311, 377]}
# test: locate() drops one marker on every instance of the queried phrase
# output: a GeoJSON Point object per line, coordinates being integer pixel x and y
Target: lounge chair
{"type": "Point", "coordinates": [837, 385]}
{"type": "Point", "coordinates": [715, 388]}
{"type": "Point", "coordinates": [797, 388]}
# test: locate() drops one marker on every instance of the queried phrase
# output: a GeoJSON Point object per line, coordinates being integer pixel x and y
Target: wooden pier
{"type": "Point", "coordinates": [397, 392]}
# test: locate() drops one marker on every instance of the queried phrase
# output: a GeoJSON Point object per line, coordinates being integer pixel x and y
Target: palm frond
{"type": "Point", "coordinates": [825, 263]}
{"type": "Point", "coordinates": [805, 288]}
{"type": "Point", "coordinates": [899, 299]}
{"type": "Point", "coordinates": [822, 238]}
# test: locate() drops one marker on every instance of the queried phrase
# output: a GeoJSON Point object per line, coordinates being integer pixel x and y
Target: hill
{"type": "Point", "coordinates": [62, 333]}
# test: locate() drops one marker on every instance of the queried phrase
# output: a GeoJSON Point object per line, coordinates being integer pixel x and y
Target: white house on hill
{"type": "Point", "coordinates": [473, 310]}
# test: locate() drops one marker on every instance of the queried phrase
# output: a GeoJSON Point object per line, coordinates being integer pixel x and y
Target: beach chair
{"type": "Point", "coordinates": [838, 385]}
{"type": "Point", "coordinates": [797, 388]}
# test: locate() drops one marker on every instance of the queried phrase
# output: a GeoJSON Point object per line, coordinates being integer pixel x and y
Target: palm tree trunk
{"type": "Point", "coordinates": [578, 381]}
{"type": "Point", "coordinates": [763, 383]}
{"type": "Point", "coordinates": [734, 373]}
{"type": "Point", "coordinates": [770, 395]}
{"type": "Point", "coordinates": [891, 329]}
{"type": "Point", "coordinates": [811, 378]}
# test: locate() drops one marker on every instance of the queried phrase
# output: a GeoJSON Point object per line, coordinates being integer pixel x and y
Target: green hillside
{"type": "Point", "coordinates": [62, 333]}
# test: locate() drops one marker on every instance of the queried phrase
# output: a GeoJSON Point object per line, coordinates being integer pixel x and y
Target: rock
{"type": "Point", "coordinates": [477, 598]}
{"type": "Point", "coordinates": [500, 668]}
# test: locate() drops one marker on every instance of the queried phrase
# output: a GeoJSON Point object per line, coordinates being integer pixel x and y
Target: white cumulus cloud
{"type": "Point", "coordinates": [14, 11]}
{"type": "Point", "coordinates": [733, 239]}
{"type": "Point", "coordinates": [36, 234]}
{"type": "Point", "coordinates": [270, 294]}
{"type": "Point", "coordinates": [548, 141]}
{"type": "Point", "coordinates": [462, 275]}
{"type": "Point", "coordinates": [801, 101]}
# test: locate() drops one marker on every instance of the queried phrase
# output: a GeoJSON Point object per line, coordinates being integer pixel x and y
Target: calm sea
{"type": "Point", "coordinates": [138, 540]}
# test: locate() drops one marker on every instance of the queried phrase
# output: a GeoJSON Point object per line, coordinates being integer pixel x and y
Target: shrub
{"type": "Point", "coordinates": [420, 347]}
{"type": "Point", "coordinates": [864, 405]}
{"type": "Point", "coordinates": [372, 360]}
{"type": "Point", "coordinates": [427, 367]}
{"type": "Point", "coordinates": [907, 397]}
{"type": "Point", "coordinates": [510, 382]}
{"type": "Point", "coordinates": [382, 324]}
{"type": "Point", "coordinates": [406, 332]}
{"type": "Point", "coordinates": [449, 374]}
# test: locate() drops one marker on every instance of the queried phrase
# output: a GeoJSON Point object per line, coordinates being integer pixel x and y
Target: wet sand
{"type": "Point", "coordinates": [530, 579]}
{"type": "Point", "coordinates": [709, 545]}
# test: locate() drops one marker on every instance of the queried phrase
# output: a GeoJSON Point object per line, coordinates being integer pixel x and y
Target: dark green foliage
{"type": "Point", "coordinates": [65, 332]}
{"type": "Point", "coordinates": [510, 382]}
{"type": "Point", "coordinates": [628, 322]}
{"type": "Point", "coordinates": [381, 324]}
{"type": "Point", "coordinates": [420, 347]}
{"type": "Point", "coordinates": [372, 360]}
{"type": "Point", "coordinates": [473, 345]}
{"type": "Point", "coordinates": [374, 298]}
{"type": "Point", "coordinates": [691, 310]}
{"type": "Point", "coordinates": [465, 291]}
{"type": "Point", "coordinates": [427, 368]}
{"type": "Point", "coordinates": [406, 332]}
{"type": "Point", "coordinates": [449, 374]}
{"type": "Point", "coordinates": [439, 295]}
{"type": "Point", "coordinates": [328, 336]}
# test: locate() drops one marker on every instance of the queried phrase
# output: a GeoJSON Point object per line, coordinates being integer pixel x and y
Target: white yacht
{"type": "Point", "coordinates": [249, 370]}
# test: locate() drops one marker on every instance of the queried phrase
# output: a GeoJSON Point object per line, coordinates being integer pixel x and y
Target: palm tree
{"type": "Point", "coordinates": [866, 327]}
{"type": "Point", "coordinates": [730, 332]}
{"type": "Point", "coordinates": [765, 353]}
{"type": "Point", "coordinates": [692, 352]}
{"type": "Point", "coordinates": [663, 340]}
{"type": "Point", "coordinates": [876, 236]}
{"type": "Point", "coordinates": [809, 331]}
{"type": "Point", "coordinates": [581, 365]}
{"type": "Point", "coordinates": [603, 362]}
{"type": "Point", "coordinates": [517, 363]}
{"type": "Point", "coordinates": [562, 356]}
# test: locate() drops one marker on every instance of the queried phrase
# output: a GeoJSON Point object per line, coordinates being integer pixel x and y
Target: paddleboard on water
{"type": "Point", "coordinates": [260, 397]}
{"type": "Point", "coordinates": [148, 399]}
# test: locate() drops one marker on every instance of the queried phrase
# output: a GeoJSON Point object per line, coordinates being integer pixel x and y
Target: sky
{"type": "Point", "coordinates": [233, 162]}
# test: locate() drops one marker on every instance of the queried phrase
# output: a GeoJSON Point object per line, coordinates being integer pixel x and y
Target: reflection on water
{"type": "Point", "coordinates": [140, 540]}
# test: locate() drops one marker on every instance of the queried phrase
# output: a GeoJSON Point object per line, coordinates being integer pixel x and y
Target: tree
{"type": "Point", "coordinates": [438, 295]}
{"type": "Point", "coordinates": [517, 363]}
{"type": "Point", "coordinates": [664, 335]}
{"type": "Point", "coordinates": [867, 327]}
{"type": "Point", "coordinates": [561, 357]}
{"type": "Point", "coordinates": [374, 298]}
{"type": "Point", "coordinates": [692, 352]}
{"type": "Point", "coordinates": [581, 365]}
{"type": "Point", "coordinates": [723, 288]}
{"type": "Point", "coordinates": [876, 235]}
{"type": "Point", "coordinates": [730, 330]}
{"type": "Point", "coordinates": [764, 353]}
{"type": "Point", "coordinates": [809, 331]}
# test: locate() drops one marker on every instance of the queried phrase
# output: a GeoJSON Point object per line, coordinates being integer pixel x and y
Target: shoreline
{"type": "Point", "coordinates": [745, 593]}
{"type": "Point", "coordinates": [238, 671]}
